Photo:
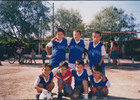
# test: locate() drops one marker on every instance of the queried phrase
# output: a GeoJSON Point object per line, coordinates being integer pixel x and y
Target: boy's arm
{"type": "Point", "coordinates": [48, 47]}
{"type": "Point", "coordinates": [68, 40]}
{"type": "Point", "coordinates": [111, 48]}
{"type": "Point", "coordinates": [36, 85]}
{"type": "Point", "coordinates": [103, 51]}
{"type": "Point", "coordinates": [86, 42]}
{"type": "Point", "coordinates": [55, 71]}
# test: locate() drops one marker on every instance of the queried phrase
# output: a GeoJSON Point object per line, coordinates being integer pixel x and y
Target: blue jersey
{"type": "Point", "coordinates": [75, 51]}
{"type": "Point", "coordinates": [58, 53]}
{"type": "Point", "coordinates": [79, 79]}
{"type": "Point", "coordinates": [45, 83]}
{"type": "Point", "coordinates": [99, 83]}
{"type": "Point", "coordinates": [95, 54]}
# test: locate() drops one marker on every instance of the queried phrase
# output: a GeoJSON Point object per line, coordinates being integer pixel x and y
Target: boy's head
{"type": "Point", "coordinates": [79, 65]}
{"type": "Point", "coordinates": [96, 36]}
{"type": "Point", "coordinates": [77, 35]}
{"type": "Point", "coordinates": [63, 67]}
{"type": "Point", "coordinates": [46, 68]}
{"type": "Point", "coordinates": [97, 71]}
{"type": "Point", "coordinates": [59, 33]}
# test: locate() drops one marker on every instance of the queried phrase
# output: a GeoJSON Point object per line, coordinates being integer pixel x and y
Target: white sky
{"type": "Point", "coordinates": [88, 9]}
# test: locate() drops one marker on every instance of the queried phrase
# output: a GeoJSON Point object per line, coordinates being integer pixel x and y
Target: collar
{"type": "Point", "coordinates": [80, 74]}
{"type": "Point", "coordinates": [96, 44]}
{"type": "Point", "coordinates": [77, 41]}
{"type": "Point", "coordinates": [98, 80]}
{"type": "Point", "coordinates": [59, 41]}
{"type": "Point", "coordinates": [47, 78]}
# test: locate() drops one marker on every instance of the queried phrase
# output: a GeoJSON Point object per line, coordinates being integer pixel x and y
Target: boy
{"type": "Point", "coordinates": [59, 48]}
{"type": "Point", "coordinates": [44, 82]}
{"type": "Point", "coordinates": [64, 80]}
{"type": "Point", "coordinates": [43, 53]}
{"type": "Point", "coordinates": [99, 83]}
{"type": "Point", "coordinates": [114, 51]}
{"type": "Point", "coordinates": [33, 53]}
{"type": "Point", "coordinates": [76, 47]}
{"type": "Point", "coordinates": [96, 51]}
{"type": "Point", "coordinates": [81, 80]}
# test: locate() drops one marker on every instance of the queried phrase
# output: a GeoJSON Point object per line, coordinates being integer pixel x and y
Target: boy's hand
{"type": "Point", "coordinates": [103, 78]}
{"type": "Point", "coordinates": [99, 87]}
{"type": "Point", "coordinates": [45, 91]}
{"type": "Point", "coordinates": [50, 56]}
{"type": "Point", "coordinates": [53, 39]}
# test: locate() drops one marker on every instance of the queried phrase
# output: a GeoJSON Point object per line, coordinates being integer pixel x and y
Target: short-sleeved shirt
{"type": "Point", "coordinates": [79, 78]}
{"type": "Point", "coordinates": [66, 78]}
{"type": "Point", "coordinates": [99, 82]}
{"type": "Point", "coordinates": [45, 81]}
{"type": "Point", "coordinates": [59, 52]}
{"type": "Point", "coordinates": [95, 53]}
{"type": "Point", "coordinates": [76, 49]}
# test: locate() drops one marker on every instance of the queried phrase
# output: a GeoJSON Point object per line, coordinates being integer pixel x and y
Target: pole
{"type": "Point", "coordinates": [53, 21]}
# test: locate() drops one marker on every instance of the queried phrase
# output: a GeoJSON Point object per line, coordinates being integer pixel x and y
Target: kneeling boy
{"type": "Point", "coordinates": [64, 80]}
{"type": "Point", "coordinates": [44, 82]}
{"type": "Point", "coordinates": [81, 80]}
{"type": "Point", "coordinates": [99, 83]}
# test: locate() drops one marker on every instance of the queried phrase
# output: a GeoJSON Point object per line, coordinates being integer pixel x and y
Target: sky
{"type": "Point", "coordinates": [88, 9]}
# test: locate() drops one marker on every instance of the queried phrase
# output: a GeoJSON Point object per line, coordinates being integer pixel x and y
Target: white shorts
{"type": "Point", "coordinates": [72, 66]}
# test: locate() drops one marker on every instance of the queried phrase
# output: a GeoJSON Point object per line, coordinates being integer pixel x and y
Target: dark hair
{"type": "Point", "coordinates": [77, 31]}
{"type": "Point", "coordinates": [97, 68]}
{"type": "Point", "coordinates": [47, 65]}
{"type": "Point", "coordinates": [111, 39]}
{"type": "Point", "coordinates": [80, 62]}
{"type": "Point", "coordinates": [63, 64]}
{"type": "Point", "coordinates": [59, 30]}
{"type": "Point", "coordinates": [97, 32]}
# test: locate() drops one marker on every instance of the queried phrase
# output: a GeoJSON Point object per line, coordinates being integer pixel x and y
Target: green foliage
{"type": "Point", "coordinates": [20, 19]}
{"type": "Point", "coordinates": [115, 20]}
{"type": "Point", "coordinates": [69, 20]}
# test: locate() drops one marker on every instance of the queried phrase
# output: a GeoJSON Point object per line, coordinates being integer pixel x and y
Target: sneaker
{"type": "Point", "coordinates": [105, 98]}
{"type": "Point", "coordinates": [94, 97]}
{"type": "Point", "coordinates": [60, 96]}
{"type": "Point", "coordinates": [85, 96]}
{"type": "Point", "coordinates": [37, 96]}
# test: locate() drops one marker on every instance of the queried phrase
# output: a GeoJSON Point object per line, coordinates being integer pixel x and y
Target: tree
{"type": "Point", "coordinates": [69, 21]}
{"type": "Point", "coordinates": [114, 20]}
{"type": "Point", "coordinates": [20, 19]}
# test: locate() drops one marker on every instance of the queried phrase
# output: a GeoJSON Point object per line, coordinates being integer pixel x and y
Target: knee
{"type": "Point", "coordinates": [94, 90]}
{"type": "Point", "coordinates": [84, 82]}
{"type": "Point", "coordinates": [75, 96]}
{"type": "Point", "coordinates": [52, 84]}
{"type": "Point", "coordinates": [105, 90]}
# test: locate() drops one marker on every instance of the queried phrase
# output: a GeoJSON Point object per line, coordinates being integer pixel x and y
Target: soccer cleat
{"type": "Point", "coordinates": [37, 96]}
{"type": "Point", "coordinates": [60, 96]}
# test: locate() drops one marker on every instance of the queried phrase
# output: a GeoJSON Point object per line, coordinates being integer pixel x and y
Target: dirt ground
{"type": "Point", "coordinates": [16, 81]}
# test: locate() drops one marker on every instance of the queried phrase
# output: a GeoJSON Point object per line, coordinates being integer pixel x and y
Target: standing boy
{"type": "Point", "coordinates": [99, 83]}
{"type": "Point", "coordinates": [64, 80]}
{"type": "Point", "coordinates": [114, 51]}
{"type": "Point", "coordinates": [59, 48]}
{"type": "Point", "coordinates": [43, 53]}
{"type": "Point", "coordinates": [76, 47]}
{"type": "Point", "coordinates": [44, 82]}
{"type": "Point", "coordinates": [81, 80]}
{"type": "Point", "coordinates": [96, 51]}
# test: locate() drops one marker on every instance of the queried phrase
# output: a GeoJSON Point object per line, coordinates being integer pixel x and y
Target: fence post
{"type": "Point", "coordinates": [132, 61]}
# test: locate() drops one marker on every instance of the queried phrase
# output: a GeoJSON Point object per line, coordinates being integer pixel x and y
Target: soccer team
{"type": "Point", "coordinates": [93, 78]}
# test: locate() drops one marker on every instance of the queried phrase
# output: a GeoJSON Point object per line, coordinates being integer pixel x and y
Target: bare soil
{"type": "Point", "coordinates": [16, 81]}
